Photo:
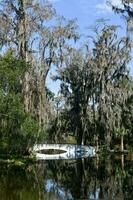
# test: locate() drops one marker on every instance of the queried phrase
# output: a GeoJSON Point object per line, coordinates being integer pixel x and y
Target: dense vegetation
{"type": "Point", "coordinates": [18, 129]}
{"type": "Point", "coordinates": [95, 101]}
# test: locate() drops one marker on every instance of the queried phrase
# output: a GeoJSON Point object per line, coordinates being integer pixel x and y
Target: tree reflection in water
{"type": "Point", "coordinates": [90, 178]}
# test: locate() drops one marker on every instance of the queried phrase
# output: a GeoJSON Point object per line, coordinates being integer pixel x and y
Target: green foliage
{"type": "Point", "coordinates": [96, 86]}
{"type": "Point", "coordinates": [29, 128]}
{"type": "Point", "coordinates": [18, 130]}
{"type": "Point", "coordinates": [11, 73]}
{"type": "Point", "coordinates": [121, 132]}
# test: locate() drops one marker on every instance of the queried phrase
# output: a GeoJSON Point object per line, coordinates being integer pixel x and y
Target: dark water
{"type": "Point", "coordinates": [91, 178]}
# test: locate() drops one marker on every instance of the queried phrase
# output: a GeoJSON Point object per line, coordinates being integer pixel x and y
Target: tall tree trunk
{"type": "Point", "coordinates": [42, 104]}
{"type": "Point", "coordinates": [44, 111]}
{"type": "Point", "coordinates": [79, 131]}
{"type": "Point", "coordinates": [122, 142]}
{"type": "Point", "coordinates": [108, 139]}
{"type": "Point", "coordinates": [23, 53]}
{"type": "Point", "coordinates": [21, 33]}
{"type": "Point", "coordinates": [122, 162]}
{"type": "Point", "coordinates": [79, 138]}
{"type": "Point", "coordinates": [29, 86]}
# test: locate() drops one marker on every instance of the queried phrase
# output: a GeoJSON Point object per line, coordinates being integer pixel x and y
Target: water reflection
{"type": "Point", "coordinates": [90, 178]}
{"type": "Point", "coordinates": [53, 187]}
{"type": "Point", "coordinates": [63, 151]}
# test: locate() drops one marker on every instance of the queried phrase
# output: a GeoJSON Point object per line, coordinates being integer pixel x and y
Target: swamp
{"type": "Point", "coordinates": [70, 88]}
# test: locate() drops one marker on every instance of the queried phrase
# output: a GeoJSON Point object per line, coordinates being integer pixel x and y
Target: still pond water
{"type": "Point", "coordinates": [90, 178]}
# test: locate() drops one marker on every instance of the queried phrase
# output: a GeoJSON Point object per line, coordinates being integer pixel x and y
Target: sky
{"type": "Point", "coordinates": [87, 12]}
